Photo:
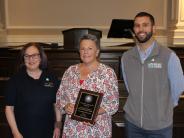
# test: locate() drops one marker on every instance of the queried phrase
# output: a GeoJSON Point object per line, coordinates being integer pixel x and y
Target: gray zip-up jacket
{"type": "Point", "coordinates": [149, 104]}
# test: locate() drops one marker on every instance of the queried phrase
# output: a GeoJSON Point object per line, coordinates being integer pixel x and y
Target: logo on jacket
{"type": "Point", "coordinates": [48, 83]}
{"type": "Point", "coordinates": [154, 64]}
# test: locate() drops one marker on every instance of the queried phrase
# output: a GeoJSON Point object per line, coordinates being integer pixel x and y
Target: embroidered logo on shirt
{"type": "Point", "coordinates": [154, 64]}
{"type": "Point", "coordinates": [48, 83]}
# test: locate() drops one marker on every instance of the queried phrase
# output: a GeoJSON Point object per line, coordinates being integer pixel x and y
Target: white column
{"type": "Point", "coordinates": [1, 13]}
{"type": "Point", "coordinates": [2, 23]}
{"type": "Point", "coordinates": [177, 26]}
{"type": "Point", "coordinates": [1, 19]}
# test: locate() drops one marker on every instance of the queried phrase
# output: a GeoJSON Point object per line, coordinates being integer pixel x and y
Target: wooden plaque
{"type": "Point", "coordinates": [87, 106]}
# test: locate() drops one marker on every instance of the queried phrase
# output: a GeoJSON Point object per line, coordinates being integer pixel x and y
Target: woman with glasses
{"type": "Point", "coordinates": [30, 97]}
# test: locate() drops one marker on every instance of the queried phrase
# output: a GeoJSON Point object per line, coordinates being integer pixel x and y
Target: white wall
{"type": "Point", "coordinates": [64, 13]}
{"type": "Point", "coordinates": [1, 14]}
{"type": "Point", "coordinates": [43, 20]}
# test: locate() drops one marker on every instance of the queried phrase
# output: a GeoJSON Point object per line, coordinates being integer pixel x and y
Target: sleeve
{"type": "Point", "coordinates": [176, 77]}
{"type": "Point", "coordinates": [124, 75]}
{"type": "Point", "coordinates": [61, 95]}
{"type": "Point", "coordinates": [110, 101]}
{"type": "Point", "coordinates": [11, 92]}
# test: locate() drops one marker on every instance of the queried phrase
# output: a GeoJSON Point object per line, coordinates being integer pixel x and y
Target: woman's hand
{"type": "Point", "coordinates": [101, 111]}
{"type": "Point", "coordinates": [56, 133]}
{"type": "Point", "coordinates": [17, 135]}
{"type": "Point", "coordinates": [69, 108]}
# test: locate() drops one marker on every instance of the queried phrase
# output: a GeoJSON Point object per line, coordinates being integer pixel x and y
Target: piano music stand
{"type": "Point", "coordinates": [120, 28]}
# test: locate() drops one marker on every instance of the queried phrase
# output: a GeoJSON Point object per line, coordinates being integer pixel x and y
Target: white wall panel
{"type": "Point", "coordinates": [67, 13]}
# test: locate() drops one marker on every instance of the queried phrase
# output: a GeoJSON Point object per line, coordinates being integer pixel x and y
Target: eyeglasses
{"type": "Point", "coordinates": [33, 56]}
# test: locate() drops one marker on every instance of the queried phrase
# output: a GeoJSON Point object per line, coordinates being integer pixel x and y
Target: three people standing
{"type": "Point", "coordinates": [152, 74]}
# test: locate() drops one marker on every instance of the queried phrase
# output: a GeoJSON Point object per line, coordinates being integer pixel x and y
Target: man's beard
{"type": "Point", "coordinates": [143, 40]}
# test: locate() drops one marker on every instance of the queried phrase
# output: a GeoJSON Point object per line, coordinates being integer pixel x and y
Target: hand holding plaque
{"type": "Point", "coordinates": [87, 106]}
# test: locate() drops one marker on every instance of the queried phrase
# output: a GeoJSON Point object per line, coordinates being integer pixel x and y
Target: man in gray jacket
{"type": "Point", "coordinates": [154, 79]}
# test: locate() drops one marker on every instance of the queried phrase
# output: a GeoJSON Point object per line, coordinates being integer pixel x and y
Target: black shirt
{"type": "Point", "coordinates": [33, 103]}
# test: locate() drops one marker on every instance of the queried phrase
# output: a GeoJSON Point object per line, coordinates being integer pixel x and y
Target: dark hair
{"type": "Point", "coordinates": [91, 37]}
{"type": "Point", "coordinates": [142, 14]}
{"type": "Point", "coordinates": [43, 63]}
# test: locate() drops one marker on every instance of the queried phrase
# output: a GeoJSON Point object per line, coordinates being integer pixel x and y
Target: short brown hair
{"type": "Point", "coordinates": [43, 63]}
